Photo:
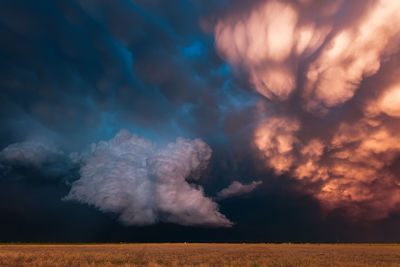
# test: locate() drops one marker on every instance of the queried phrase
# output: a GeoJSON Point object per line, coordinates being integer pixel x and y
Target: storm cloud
{"type": "Point", "coordinates": [298, 100]}
{"type": "Point", "coordinates": [324, 125]}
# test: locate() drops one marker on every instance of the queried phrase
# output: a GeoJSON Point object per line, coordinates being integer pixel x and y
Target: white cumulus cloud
{"type": "Point", "coordinates": [32, 153]}
{"type": "Point", "coordinates": [145, 184]}
{"type": "Point", "coordinates": [237, 188]}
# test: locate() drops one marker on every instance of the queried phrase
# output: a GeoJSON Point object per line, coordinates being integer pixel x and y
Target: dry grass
{"type": "Point", "coordinates": [200, 255]}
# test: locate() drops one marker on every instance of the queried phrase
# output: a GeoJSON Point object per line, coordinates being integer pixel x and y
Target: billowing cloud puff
{"type": "Point", "coordinates": [276, 138]}
{"type": "Point", "coordinates": [353, 53]}
{"type": "Point", "coordinates": [32, 153]}
{"type": "Point", "coordinates": [145, 184]}
{"type": "Point", "coordinates": [321, 124]}
{"type": "Point", "coordinates": [236, 188]}
{"type": "Point", "coordinates": [265, 41]}
{"type": "Point", "coordinates": [387, 103]}
{"type": "Point", "coordinates": [272, 40]}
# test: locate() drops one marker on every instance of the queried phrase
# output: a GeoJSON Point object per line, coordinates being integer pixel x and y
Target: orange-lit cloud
{"type": "Point", "coordinates": [353, 53]}
{"type": "Point", "coordinates": [261, 42]}
{"type": "Point", "coordinates": [276, 139]}
{"type": "Point", "coordinates": [311, 68]}
{"type": "Point", "coordinates": [388, 103]}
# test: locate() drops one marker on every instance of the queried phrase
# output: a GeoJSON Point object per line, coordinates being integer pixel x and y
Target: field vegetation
{"type": "Point", "coordinates": [199, 255]}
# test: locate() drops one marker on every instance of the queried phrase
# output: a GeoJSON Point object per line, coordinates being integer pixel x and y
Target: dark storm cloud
{"type": "Point", "coordinates": [78, 71]}
{"type": "Point", "coordinates": [142, 62]}
{"type": "Point", "coordinates": [75, 72]}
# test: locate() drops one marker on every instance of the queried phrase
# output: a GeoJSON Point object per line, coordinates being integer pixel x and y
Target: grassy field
{"type": "Point", "coordinates": [200, 255]}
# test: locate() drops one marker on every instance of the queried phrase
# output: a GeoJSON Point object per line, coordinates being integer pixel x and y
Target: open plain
{"type": "Point", "coordinates": [199, 255]}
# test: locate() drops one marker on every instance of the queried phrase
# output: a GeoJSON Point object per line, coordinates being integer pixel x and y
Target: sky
{"type": "Point", "coordinates": [199, 121]}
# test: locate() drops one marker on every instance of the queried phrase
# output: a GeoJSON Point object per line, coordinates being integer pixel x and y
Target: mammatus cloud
{"type": "Point", "coordinates": [271, 42]}
{"type": "Point", "coordinates": [321, 124]}
{"type": "Point", "coordinates": [145, 184]}
{"type": "Point", "coordinates": [236, 188]}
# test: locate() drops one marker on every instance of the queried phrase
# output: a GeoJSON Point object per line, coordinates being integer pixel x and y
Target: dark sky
{"type": "Point", "coordinates": [190, 120]}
